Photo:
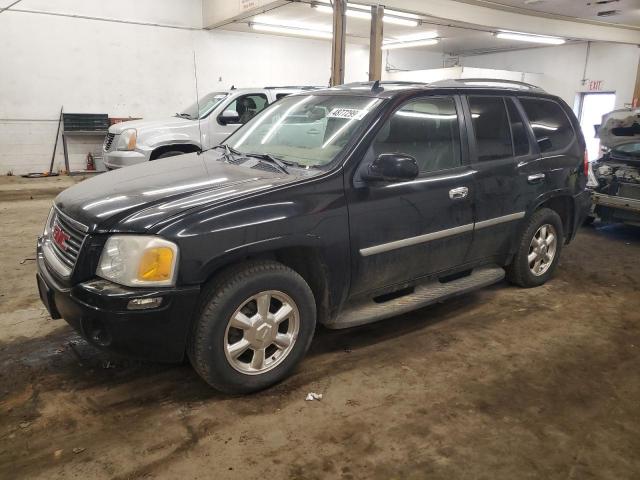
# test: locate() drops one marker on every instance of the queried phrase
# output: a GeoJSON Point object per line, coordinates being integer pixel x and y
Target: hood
{"type": "Point", "coordinates": [141, 125]}
{"type": "Point", "coordinates": [618, 127]}
{"type": "Point", "coordinates": [135, 198]}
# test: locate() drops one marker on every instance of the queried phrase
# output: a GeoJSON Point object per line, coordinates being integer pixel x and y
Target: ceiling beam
{"type": "Point", "coordinates": [216, 13]}
{"type": "Point", "coordinates": [468, 12]}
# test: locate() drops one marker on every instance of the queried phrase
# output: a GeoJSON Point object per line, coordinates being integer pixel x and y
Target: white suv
{"type": "Point", "coordinates": [220, 114]}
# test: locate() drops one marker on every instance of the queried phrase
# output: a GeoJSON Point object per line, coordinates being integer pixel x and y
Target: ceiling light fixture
{"type": "Point", "coordinates": [264, 23]}
{"type": "Point", "coordinates": [416, 43]}
{"type": "Point", "coordinates": [526, 37]}
{"type": "Point", "coordinates": [261, 27]}
{"type": "Point", "coordinates": [361, 13]}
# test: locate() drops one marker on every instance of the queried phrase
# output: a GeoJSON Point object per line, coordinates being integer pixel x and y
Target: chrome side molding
{"type": "Point", "coordinates": [428, 237]}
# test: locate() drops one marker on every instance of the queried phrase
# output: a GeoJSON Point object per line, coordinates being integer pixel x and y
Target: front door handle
{"type": "Point", "coordinates": [458, 193]}
{"type": "Point", "coordinates": [536, 178]}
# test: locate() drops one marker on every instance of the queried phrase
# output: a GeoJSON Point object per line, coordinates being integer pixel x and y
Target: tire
{"type": "Point", "coordinates": [215, 339]}
{"type": "Point", "coordinates": [521, 271]}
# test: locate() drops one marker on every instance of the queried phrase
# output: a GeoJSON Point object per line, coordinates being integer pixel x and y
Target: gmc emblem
{"type": "Point", "coordinates": [60, 237]}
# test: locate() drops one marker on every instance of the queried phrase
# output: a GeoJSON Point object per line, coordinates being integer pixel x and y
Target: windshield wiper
{"type": "Point", "coordinates": [184, 115]}
{"type": "Point", "coordinates": [281, 164]}
{"type": "Point", "coordinates": [227, 149]}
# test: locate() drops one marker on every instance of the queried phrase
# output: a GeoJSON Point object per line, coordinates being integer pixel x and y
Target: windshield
{"type": "Point", "coordinates": [631, 149]}
{"type": "Point", "coordinates": [309, 130]}
{"type": "Point", "coordinates": [207, 104]}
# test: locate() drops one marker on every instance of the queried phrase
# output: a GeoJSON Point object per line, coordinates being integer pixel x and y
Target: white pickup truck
{"type": "Point", "coordinates": [219, 114]}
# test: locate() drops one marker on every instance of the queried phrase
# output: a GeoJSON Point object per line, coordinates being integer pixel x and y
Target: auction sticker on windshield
{"type": "Point", "coordinates": [347, 113]}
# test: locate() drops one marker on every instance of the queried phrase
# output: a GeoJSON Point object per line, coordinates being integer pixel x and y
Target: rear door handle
{"type": "Point", "coordinates": [458, 193]}
{"type": "Point", "coordinates": [536, 178]}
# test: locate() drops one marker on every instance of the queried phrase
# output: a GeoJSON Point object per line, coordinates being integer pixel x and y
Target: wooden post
{"type": "Point", "coordinates": [375, 43]}
{"type": "Point", "coordinates": [337, 43]}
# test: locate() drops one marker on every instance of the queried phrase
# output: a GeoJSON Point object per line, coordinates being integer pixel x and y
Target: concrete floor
{"type": "Point", "coordinates": [504, 383]}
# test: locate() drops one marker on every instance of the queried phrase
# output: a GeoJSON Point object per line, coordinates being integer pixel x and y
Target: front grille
{"type": "Point", "coordinates": [108, 140]}
{"type": "Point", "coordinates": [65, 237]}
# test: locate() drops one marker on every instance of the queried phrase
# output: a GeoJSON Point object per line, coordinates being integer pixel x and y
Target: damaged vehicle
{"type": "Point", "coordinates": [614, 179]}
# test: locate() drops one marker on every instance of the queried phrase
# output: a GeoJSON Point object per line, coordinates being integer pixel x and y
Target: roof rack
{"type": "Point", "coordinates": [486, 82]}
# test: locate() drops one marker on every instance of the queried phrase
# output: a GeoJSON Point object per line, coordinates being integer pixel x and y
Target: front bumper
{"type": "Point", "coordinates": [118, 159]}
{"type": "Point", "coordinates": [98, 310]}
{"type": "Point", "coordinates": [610, 208]}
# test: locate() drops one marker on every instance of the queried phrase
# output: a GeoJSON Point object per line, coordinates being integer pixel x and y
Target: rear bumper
{"type": "Point", "coordinates": [99, 311]}
{"type": "Point", "coordinates": [582, 207]}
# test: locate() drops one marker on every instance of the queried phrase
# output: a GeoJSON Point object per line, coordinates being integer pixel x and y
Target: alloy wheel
{"type": "Point", "coordinates": [262, 332]}
{"type": "Point", "coordinates": [542, 249]}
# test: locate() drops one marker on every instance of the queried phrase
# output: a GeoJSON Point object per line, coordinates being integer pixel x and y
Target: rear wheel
{"type": "Point", "coordinates": [539, 250]}
{"type": "Point", "coordinates": [255, 323]}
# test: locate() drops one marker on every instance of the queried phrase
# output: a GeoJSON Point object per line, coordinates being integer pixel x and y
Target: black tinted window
{"type": "Point", "coordinates": [427, 129]}
{"type": "Point", "coordinates": [491, 128]}
{"type": "Point", "coordinates": [550, 124]}
{"type": "Point", "coordinates": [518, 130]}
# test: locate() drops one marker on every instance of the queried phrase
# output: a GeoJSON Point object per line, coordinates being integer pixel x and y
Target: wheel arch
{"type": "Point", "coordinates": [563, 204]}
{"type": "Point", "coordinates": [307, 259]}
{"type": "Point", "coordinates": [182, 147]}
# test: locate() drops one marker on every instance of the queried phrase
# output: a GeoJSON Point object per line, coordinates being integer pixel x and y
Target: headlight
{"type": "Point", "coordinates": [47, 225]}
{"type": "Point", "coordinates": [136, 260]}
{"type": "Point", "coordinates": [592, 181]}
{"type": "Point", "coordinates": [127, 139]}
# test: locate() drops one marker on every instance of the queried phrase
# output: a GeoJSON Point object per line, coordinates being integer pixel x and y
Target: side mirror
{"type": "Point", "coordinates": [392, 167]}
{"type": "Point", "coordinates": [229, 116]}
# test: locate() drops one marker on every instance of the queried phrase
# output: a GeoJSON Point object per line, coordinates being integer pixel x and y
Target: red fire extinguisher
{"type": "Point", "coordinates": [91, 165]}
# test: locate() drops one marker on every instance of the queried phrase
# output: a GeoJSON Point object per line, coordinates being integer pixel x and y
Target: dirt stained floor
{"type": "Point", "coordinates": [504, 383]}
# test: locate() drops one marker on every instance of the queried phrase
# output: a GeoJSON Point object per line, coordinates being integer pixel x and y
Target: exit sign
{"type": "Point", "coordinates": [594, 85]}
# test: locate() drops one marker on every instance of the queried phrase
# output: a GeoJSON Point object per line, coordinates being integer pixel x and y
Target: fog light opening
{"type": "Point", "coordinates": [144, 303]}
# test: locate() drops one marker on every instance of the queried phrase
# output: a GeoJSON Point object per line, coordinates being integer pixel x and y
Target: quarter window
{"type": "Point", "coordinates": [427, 129]}
{"type": "Point", "coordinates": [549, 123]}
{"type": "Point", "coordinates": [491, 128]}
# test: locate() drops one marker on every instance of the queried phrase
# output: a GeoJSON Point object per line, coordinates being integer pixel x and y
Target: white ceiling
{"type": "Point", "coordinates": [626, 12]}
{"type": "Point", "coordinates": [453, 39]}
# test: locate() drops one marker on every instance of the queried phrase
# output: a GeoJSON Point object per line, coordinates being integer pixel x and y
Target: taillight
{"type": "Point", "coordinates": [586, 163]}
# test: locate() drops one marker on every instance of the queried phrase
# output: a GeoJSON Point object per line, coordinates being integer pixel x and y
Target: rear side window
{"type": "Point", "coordinates": [491, 128]}
{"type": "Point", "coordinates": [427, 129]}
{"type": "Point", "coordinates": [518, 130]}
{"type": "Point", "coordinates": [549, 123]}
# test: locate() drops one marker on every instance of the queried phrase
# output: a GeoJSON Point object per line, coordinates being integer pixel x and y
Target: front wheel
{"type": "Point", "coordinates": [255, 324]}
{"type": "Point", "coordinates": [539, 250]}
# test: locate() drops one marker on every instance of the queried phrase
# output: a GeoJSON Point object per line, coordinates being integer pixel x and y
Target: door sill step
{"type": "Point", "coordinates": [368, 311]}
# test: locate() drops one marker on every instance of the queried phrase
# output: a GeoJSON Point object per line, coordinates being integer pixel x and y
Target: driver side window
{"type": "Point", "coordinates": [427, 129]}
{"type": "Point", "coordinates": [248, 106]}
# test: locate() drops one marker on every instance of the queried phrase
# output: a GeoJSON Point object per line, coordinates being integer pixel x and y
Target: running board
{"type": "Point", "coordinates": [368, 311]}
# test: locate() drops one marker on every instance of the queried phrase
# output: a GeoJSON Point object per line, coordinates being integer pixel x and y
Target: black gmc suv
{"type": "Point", "coordinates": [340, 207]}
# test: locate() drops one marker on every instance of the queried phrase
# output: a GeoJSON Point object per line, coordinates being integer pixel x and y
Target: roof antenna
{"type": "Point", "coordinates": [376, 87]}
{"type": "Point", "coordinates": [233, 87]}
{"type": "Point", "coordinates": [195, 76]}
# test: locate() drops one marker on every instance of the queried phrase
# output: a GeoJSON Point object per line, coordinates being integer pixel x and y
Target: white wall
{"type": "Point", "coordinates": [124, 69]}
{"type": "Point", "coordinates": [559, 70]}
{"type": "Point", "coordinates": [563, 67]}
